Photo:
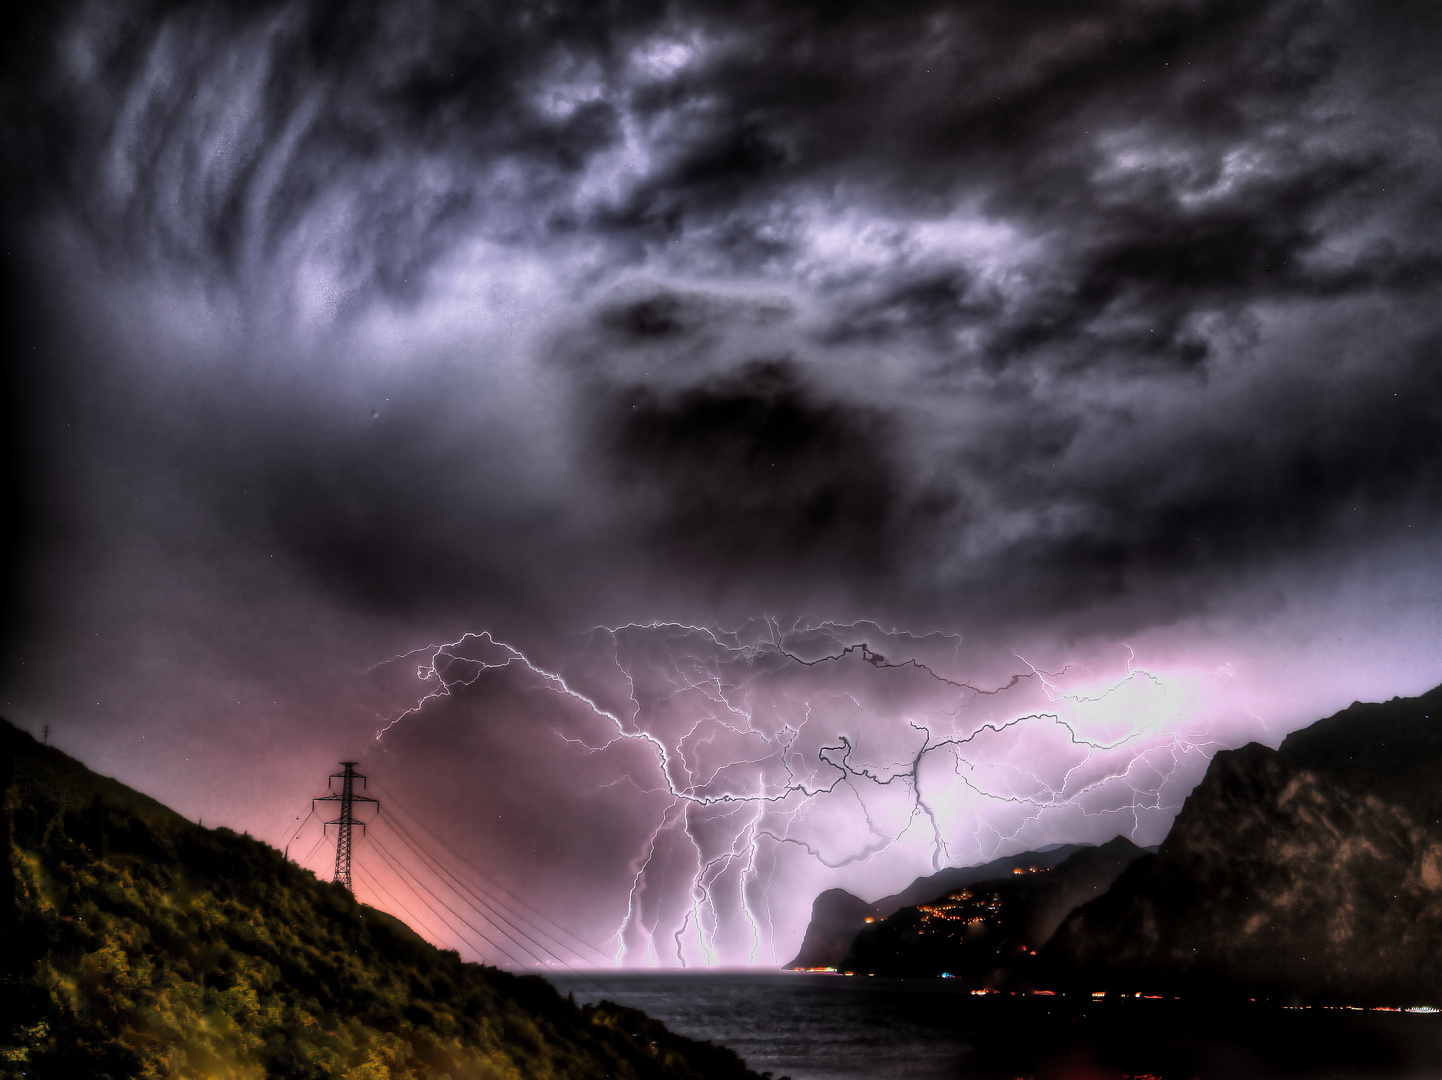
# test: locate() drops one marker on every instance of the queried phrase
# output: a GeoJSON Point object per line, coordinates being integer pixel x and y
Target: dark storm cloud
{"type": "Point", "coordinates": [1189, 167]}
{"type": "Point", "coordinates": [340, 328]}
{"type": "Point", "coordinates": [209, 135]}
{"type": "Point", "coordinates": [352, 507]}
{"type": "Point", "coordinates": [915, 102]}
{"type": "Point", "coordinates": [935, 304]}
{"type": "Point", "coordinates": [752, 469]}
{"type": "Point", "coordinates": [1281, 476]}
{"type": "Point", "coordinates": [1002, 248]}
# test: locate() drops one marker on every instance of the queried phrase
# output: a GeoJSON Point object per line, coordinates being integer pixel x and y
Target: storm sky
{"type": "Point", "coordinates": [1085, 352]}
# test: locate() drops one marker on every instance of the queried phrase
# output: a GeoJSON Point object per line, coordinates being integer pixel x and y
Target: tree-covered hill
{"type": "Point", "coordinates": [134, 943]}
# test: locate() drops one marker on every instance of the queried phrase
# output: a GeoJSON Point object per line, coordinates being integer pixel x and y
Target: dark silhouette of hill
{"type": "Point", "coordinates": [134, 943]}
{"type": "Point", "coordinates": [837, 916]}
{"type": "Point", "coordinates": [1313, 870]}
{"type": "Point", "coordinates": [989, 931]}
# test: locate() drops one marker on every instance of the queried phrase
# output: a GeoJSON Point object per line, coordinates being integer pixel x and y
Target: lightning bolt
{"type": "Point", "coordinates": [768, 740]}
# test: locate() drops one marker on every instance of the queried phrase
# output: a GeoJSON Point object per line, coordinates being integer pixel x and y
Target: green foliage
{"type": "Point", "coordinates": [136, 944]}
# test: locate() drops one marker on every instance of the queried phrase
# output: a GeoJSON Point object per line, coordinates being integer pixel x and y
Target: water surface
{"type": "Point", "coordinates": [831, 1027]}
{"type": "Point", "coordinates": [810, 1027]}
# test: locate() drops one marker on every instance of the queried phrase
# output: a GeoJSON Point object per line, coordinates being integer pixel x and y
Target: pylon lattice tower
{"type": "Point", "coordinates": [347, 799]}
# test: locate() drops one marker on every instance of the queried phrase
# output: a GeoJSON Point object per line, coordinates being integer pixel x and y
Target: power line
{"type": "Point", "coordinates": [485, 911]}
{"type": "Point", "coordinates": [396, 865]}
{"type": "Point", "coordinates": [376, 885]}
{"type": "Point", "coordinates": [407, 881]}
{"type": "Point", "coordinates": [373, 882]}
{"type": "Point", "coordinates": [490, 903]}
{"type": "Point", "coordinates": [318, 841]}
{"type": "Point", "coordinates": [450, 880]}
{"type": "Point", "coordinates": [298, 831]}
{"type": "Point", "coordinates": [516, 901]}
{"type": "Point", "coordinates": [457, 934]}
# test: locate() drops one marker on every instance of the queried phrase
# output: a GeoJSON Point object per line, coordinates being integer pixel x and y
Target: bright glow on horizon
{"type": "Point", "coordinates": [816, 751]}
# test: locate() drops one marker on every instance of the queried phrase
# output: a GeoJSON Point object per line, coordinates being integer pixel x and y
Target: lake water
{"type": "Point", "coordinates": [830, 1027]}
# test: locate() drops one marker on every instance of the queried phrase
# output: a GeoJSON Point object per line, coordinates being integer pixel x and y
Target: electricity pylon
{"type": "Point", "coordinates": [347, 799]}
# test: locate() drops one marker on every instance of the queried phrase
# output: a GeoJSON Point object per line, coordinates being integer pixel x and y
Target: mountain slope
{"type": "Point", "coordinates": [1313, 869]}
{"type": "Point", "coordinates": [136, 944]}
{"type": "Point", "coordinates": [987, 931]}
{"type": "Point", "coordinates": [837, 917]}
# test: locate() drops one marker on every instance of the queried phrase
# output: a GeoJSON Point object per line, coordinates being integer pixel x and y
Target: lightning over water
{"type": "Point", "coordinates": [1062, 381]}
{"type": "Point", "coordinates": [808, 748]}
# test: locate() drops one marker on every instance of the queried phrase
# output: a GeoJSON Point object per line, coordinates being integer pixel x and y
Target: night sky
{"type": "Point", "coordinates": [544, 403]}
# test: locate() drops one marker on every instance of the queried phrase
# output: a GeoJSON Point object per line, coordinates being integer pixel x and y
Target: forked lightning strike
{"type": "Point", "coordinates": [776, 724]}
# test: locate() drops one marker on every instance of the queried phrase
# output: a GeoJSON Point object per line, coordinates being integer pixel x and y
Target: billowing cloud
{"type": "Point", "coordinates": [1067, 330]}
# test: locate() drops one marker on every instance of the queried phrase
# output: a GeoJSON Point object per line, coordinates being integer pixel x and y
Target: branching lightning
{"type": "Point", "coordinates": [809, 741]}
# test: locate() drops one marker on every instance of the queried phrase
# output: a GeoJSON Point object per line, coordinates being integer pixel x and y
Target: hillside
{"type": "Point", "coordinates": [1312, 870]}
{"type": "Point", "coordinates": [837, 917]}
{"type": "Point", "coordinates": [988, 931]}
{"type": "Point", "coordinates": [134, 943]}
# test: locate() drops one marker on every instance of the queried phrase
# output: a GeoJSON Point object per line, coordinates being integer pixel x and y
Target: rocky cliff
{"type": "Point", "coordinates": [1312, 870]}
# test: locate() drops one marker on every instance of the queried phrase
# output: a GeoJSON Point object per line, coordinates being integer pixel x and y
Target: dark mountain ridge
{"type": "Point", "coordinates": [1312, 870]}
{"type": "Point", "coordinates": [134, 943]}
{"type": "Point", "coordinates": [988, 931]}
{"type": "Point", "coordinates": [837, 916]}
{"type": "Point", "coordinates": [1308, 873]}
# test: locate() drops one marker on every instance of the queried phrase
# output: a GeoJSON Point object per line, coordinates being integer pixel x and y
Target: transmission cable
{"type": "Point", "coordinates": [491, 916]}
{"type": "Point", "coordinates": [515, 901]}
{"type": "Point", "coordinates": [439, 868]}
{"type": "Point", "coordinates": [375, 884]}
{"type": "Point", "coordinates": [404, 880]}
{"type": "Point", "coordinates": [319, 840]}
{"type": "Point", "coordinates": [408, 881]}
{"type": "Point", "coordinates": [496, 908]}
{"type": "Point", "coordinates": [300, 830]}
{"type": "Point", "coordinates": [396, 863]}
